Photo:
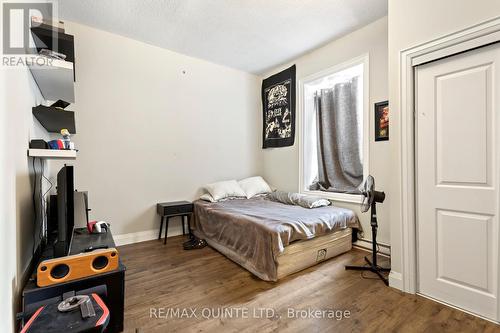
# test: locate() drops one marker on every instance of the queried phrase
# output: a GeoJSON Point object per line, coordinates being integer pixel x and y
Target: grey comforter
{"type": "Point", "coordinates": [253, 232]}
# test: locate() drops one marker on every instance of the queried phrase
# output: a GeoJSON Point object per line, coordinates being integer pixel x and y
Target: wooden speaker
{"type": "Point", "coordinates": [77, 266]}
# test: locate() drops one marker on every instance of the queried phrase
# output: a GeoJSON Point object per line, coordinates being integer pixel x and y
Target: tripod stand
{"type": "Point", "coordinates": [373, 267]}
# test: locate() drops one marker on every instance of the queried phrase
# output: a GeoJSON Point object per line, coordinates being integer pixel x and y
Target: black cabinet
{"type": "Point", "coordinates": [174, 208]}
{"type": "Point", "coordinates": [114, 282]}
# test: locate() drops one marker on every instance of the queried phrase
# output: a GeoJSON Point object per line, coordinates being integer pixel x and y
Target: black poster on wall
{"type": "Point", "coordinates": [278, 105]}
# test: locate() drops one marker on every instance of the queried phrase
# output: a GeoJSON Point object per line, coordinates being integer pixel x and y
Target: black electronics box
{"type": "Point", "coordinates": [38, 144]}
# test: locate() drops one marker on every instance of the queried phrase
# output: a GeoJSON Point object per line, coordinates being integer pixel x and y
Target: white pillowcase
{"type": "Point", "coordinates": [254, 186]}
{"type": "Point", "coordinates": [207, 197]}
{"type": "Point", "coordinates": [222, 190]}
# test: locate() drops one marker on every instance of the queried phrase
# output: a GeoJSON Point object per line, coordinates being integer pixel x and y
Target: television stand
{"type": "Point", "coordinates": [114, 281]}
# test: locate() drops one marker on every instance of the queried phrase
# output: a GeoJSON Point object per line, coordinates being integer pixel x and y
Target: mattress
{"type": "Point", "coordinates": [256, 232]}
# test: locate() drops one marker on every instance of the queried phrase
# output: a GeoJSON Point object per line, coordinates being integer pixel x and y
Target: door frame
{"type": "Point", "coordinates": [482, 34]}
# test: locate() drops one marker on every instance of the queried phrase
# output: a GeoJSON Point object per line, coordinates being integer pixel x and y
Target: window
{"type": "Point", "coordinates": [334, 131]}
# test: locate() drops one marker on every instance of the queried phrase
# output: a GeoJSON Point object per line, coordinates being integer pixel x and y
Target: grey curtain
{"type": "Point", "coordinates": [339, 139]}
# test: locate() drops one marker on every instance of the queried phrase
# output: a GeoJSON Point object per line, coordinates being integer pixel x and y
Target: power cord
{"type": "Point", "coordinates": [41, 212]}
{"type": "Point", "coordinates": [43, 198]}
{"type": "Point", "coordinates": [42, 215]}
{"type": "Point", "coordinates": [34, 206]}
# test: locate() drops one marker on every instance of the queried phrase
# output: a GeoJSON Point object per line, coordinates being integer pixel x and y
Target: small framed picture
{"type": "Point", "coordinates": [382, 121]}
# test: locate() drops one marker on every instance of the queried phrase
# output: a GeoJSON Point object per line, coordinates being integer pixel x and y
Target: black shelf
{"type": "Point", "coordinates": [54, 119]}
{"type": "Point", "coordinates": [47, 37]}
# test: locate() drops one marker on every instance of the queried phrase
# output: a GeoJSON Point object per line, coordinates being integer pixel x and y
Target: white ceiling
{"type": "Point", "coordinates": [251, 35]}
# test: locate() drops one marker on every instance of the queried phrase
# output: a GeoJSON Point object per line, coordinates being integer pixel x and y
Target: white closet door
{"type": "Point", "coordinates": [457, 124]}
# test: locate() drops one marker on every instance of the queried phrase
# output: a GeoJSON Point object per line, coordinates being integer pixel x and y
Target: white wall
{"type": "Point", "coordinates": [412, 23]}
{"type": "Point", "coordinates": [18, 126]}
{"type": "Point", "coordinates": [281, 165]}
{"type": "Point", "coordinates": [7, 247]}
{"type": "Point", "coordinates": [154, 125]}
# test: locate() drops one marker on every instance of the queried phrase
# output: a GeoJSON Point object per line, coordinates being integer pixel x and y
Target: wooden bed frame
{"type": "Point", "coordinates": [303, 254]}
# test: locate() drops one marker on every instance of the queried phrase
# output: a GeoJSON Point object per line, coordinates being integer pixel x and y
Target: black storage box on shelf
{"type": "Point", "coordinates": [54, 119]}
{"type": "Point", "coordinates": [38, 144]}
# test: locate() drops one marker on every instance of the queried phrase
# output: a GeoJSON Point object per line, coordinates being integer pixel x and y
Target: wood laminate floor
{"type": "Point", "coordinates": [162, 280]}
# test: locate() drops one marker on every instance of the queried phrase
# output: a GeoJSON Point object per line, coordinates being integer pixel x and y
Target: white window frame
{"type": "Point", "coordinates": [365, 60]}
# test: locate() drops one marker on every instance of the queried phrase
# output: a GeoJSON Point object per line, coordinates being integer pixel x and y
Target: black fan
{"type": "Point", "coordinates": [370, 198]}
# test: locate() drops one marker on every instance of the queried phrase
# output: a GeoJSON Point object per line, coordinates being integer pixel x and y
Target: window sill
{"type": "Point", "coordinates": [340, 197]}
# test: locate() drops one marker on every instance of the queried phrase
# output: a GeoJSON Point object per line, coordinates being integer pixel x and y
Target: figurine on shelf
{"type": "Point", "coordinates": [66, 139]}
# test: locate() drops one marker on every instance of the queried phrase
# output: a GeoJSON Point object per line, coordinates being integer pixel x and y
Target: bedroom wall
{"type": "Point", "coordinates": [18, 126]}
{"type": "Point", "coordinates": [281, 165]}
{"type": "Point", "coordinates": [154, 125]}
{"type": "Point", "coordinates": [5, 247]}
{"type": "Point", "coordinates": [8, 247]}
{"type": "Point", "coordinates": [412, 23]}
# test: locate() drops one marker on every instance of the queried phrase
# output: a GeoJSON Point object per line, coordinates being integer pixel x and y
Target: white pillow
{"type": "Point", "coordinates": [225, 189]}
{"type": "Point", "coordinates": [207, 197]}
{"type": "Point", "coordinates": [254, 185]}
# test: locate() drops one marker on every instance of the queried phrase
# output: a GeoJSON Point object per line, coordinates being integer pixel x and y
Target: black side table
{"type": "Point", "coordinates": [166, 210]}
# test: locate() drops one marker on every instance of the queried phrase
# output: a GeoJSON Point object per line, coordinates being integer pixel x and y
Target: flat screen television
{"type": "Point", "coordinates": [65, 210]}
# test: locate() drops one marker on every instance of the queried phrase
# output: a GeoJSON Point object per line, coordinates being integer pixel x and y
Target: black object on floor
{"type": "Point", "coordinates": [194, 243]}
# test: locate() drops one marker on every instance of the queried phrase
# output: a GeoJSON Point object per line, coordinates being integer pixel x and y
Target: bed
{"type": "Point", "coordinates": [271, 239]}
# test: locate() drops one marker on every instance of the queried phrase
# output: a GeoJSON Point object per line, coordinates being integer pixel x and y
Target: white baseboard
{"type": "Point", "coordinates": [147, 235]}
{"type": "Point", "coordinates": [367, 244]}
{"type": "Point", "coordinates": [396, 280]}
